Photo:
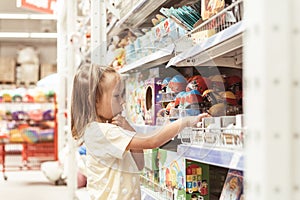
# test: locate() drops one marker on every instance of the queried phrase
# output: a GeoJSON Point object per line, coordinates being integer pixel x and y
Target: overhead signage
{"type": "Point", "coordinates": [43, 6]}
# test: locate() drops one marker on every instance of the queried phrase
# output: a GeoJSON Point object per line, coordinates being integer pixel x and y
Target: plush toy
{"type": "Point", "coordinates": [6, 98]}
{"type": "Point", "coordinates": [119, 61]}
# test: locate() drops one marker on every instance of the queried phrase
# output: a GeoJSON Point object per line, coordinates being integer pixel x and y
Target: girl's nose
{"type": "Point", "coordinates": [122, 102]}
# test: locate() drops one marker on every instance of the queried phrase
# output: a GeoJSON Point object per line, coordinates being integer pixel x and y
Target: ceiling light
{"type": "Point", "coordinates": [43, 35]}
{"type": "Point", "coordinates": [28, 35]}
{"type": "Point", "coordinates": [27, 16]}
{"type": "Point", "coordinates": [13, 35]}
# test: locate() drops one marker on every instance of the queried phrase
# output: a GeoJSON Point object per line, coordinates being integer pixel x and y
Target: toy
{"type": "Point", "coordinates": [36, 115]}
{"type": "Point", "coordinates": [229, 98]}
{"type": "Point", "coordinates": [19, 115]}
{"type": "Point", "coordinates": [233, 186]}
{"type": "Point", "coordinates": [177, 84]}
{"type": "Point", "coordinates": [171, 170]}
{"type": "Point", "coordinates": [193, 103]}
{"type": "Point", "coordinates": [165, 83]}
{"type": "Point", "coordinates": [234, 84]}
{"type": "Point", "coordinates": [28, 98]}
{"type": "Point", "coordinates": [218, 83]}
{"type": "Point", "coordinates": [48, 115]}
{"type": "Point", "coordinates": [204, 188]}
{"type": "Point", "coordinates": [17, 98]}
{"type": "Point", "coordinates": [217, 110]}
{"type": "Point", "coordinates": [6, 98]}
{"type": "Point", "coordinates": [152, 100]}
{"type": "Point", "coordinates": [210, 98]}
{"type": "Point", "coordinates": [180, 99]}
{"type": "Point", "coordinates": [197, 83]}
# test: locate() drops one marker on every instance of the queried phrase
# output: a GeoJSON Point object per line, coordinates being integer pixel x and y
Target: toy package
{"type": "Point", "coordinates": [233, 186]}
{"type": "Point", "coordinates": [211, 7]}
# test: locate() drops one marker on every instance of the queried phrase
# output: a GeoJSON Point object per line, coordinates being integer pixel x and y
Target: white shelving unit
{"type": "Point", "coordinates": [136, 16]}
{"type": "Point", "coordinates": [213, 49]}
{"type": "Point", "coordinates": [223, 49]}
{"type": "Point", "coordinates": [154, 59]}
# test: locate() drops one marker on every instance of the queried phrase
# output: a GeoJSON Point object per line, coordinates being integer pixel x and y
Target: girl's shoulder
{"type": "Point", "coordinates": [99, 125]}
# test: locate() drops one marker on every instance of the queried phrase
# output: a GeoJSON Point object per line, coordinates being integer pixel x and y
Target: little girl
{"type": "Point", "coordinates": [114, 150]}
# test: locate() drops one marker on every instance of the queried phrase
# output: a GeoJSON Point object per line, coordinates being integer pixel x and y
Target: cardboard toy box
{"type": "Point", "coordinates": [197, 180]}
{"type": "Point", "coordinates": [152, 100]}
{"type": "Point", "coordinates": [211, 7]}
{"type": "Point", "coordinates": [151, 159]}
{"type": "Point", "coordinates": [7, 68]}
{"type": "Point", "coordinates": [172, 172]}
{"type": "Point", "coordinates": [47, 69]}
{"type": "Point", "coordinates": [233, 186]}
{"type": "Point", "coordinates": [202, 35]}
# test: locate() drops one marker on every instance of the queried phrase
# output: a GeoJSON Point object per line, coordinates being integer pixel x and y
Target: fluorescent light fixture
{"type": "Point", "coordinates": [28, 35]}
{"type": "Point", "coordinates": [13, 35]}
{"type": "Point", "coordinates": [43, 35]}
{"type": "Point", "coordinates": [27, 16]}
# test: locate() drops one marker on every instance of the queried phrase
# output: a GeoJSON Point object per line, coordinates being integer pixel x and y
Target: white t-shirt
{"type": "Point", "coordinates": [111, 171]}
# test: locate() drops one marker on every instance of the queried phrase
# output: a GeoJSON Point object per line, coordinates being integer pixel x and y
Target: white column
{"type": "Point", "coordinates": [62, 71]}
{"type": "Point", "coordinates": [295, 97]}
{"type": "Point", "coordinates": [72, 164]}
{"type": "Point", "coordinates": [271, 85]}
{"type": "Point", "coordinates": [98, 32]}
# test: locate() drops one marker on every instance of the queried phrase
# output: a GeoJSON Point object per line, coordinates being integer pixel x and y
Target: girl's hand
{"type": "Point", "coordinates": [119, 120]}
{"type": "Point", "coordinates": [195, 119]}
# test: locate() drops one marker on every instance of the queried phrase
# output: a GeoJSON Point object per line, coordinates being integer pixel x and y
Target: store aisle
{"type": "Point", "coordinates": [30, 185]}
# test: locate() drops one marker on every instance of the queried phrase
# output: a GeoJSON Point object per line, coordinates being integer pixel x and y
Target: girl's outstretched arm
{"type": "Point", "coordinates": [163, 134]}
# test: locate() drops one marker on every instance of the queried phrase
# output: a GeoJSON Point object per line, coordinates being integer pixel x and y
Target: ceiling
{"type": "Point", "coordinates": [23, 25]}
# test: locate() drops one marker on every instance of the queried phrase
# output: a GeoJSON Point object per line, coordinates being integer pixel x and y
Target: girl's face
{"type": "Point", "coordinates": [111, 102]}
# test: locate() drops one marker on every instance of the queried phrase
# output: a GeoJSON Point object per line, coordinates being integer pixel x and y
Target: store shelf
{"type": "Point", "coordinates": [232, 159]}
{"type": "Point", "coordinates": [148, 194]}
{"type": "Point", "coordinates": [136, 16]}
{"type": "Point", "coordinates": [145, 128]}
{"type": "Point", "coordinates": [26, 106]}
{"type": "Point", "coordinates": [220, 44]}
{"type": "Point", "coordinates": [159, 57]}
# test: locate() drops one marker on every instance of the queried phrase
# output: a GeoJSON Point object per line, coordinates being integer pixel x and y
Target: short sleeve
{"type": "Point", "coordinates": [105, 140]}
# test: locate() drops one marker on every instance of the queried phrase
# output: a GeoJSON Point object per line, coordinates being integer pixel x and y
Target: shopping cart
{"type": "Point", "coordinates": [11, 151]}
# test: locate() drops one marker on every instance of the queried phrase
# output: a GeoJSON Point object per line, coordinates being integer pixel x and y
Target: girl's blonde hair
{"type": "Point", "coordinates": [87, 87]}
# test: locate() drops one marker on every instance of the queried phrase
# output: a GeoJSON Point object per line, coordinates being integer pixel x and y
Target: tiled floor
{"type": "Point", "coordinates": [30, 185]}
